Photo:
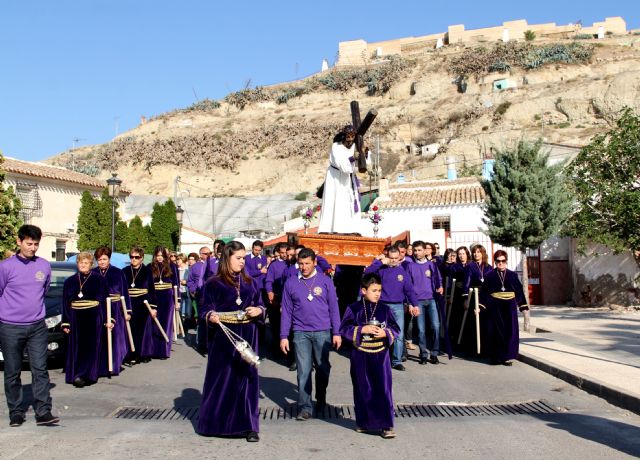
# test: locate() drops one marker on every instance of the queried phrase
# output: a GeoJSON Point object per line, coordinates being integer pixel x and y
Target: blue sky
{"type": "Point", "coordinates": [82, 69]}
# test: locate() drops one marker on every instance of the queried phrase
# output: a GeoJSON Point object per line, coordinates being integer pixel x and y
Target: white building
{"type": "Point", "coordinates": [191, 240]}
{"type": "Point", "coordinates": [50, 198]}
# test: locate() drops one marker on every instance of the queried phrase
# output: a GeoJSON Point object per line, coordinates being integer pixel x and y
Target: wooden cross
{"type": "Point", "coordinates": [361, 128]}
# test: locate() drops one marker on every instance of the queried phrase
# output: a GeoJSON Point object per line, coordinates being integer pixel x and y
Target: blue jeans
{"type": "Point", "coordinates": [430, 341]}
{"type": "Point", "coordinates": [185, 305]}
{"type": "Point", "coordinates": [13, 340]}
{"type": "Point", "coordinates": [398, 344]}
{"type": "Point", "coordinates": [312, 348]}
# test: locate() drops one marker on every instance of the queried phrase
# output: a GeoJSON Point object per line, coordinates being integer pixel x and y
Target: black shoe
{"type": "Point", "coordinates": [46, 419]}
{"type": "Point", "coordinates": [79, 382]}
{"type": "Point", "coordinates": [293, 367]}
{"type": "Point", "coordinates": [434, 359]}
{"type": "Point", "coordinates": [252, 436]}
{"type": "Point", "coordinates": [399, 367]}
{"type": "Point", "coordinates": [507, 363]}
{"type": "Point", "coordinates": [304, 415]}
{"type": "Point", "coordinates": [16, 420]}
{"type": "Point", "coordinates": [423, 361]}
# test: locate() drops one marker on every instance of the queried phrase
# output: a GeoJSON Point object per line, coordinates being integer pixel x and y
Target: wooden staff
{"type": "Point", "coordinates": [109, 337]}
{"type": "Point", "coordinates": [155, 320]}
{"type": "Point", "coordinates": [129, 334]}
{"type": "Point", "coordinates": [450, 301]}
{"type": "Point", "coordinates": [179, 328]}
{"type": "Point", "coordinates": [476, 310]}
{"type": "Point", "coordinates": [464, 320]}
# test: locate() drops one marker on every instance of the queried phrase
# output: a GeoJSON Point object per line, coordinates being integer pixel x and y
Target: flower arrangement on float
{"type": "Point", "coordinates": [308, 214]}
{"type": "Point", "coordinates": [375, 216]}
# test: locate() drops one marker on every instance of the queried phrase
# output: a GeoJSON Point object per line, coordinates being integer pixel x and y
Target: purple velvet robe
{"type": "Point", "coordinates": [459, 273]}
{"type": "Point", "coordinates": [231, 389]}
{"type": "Point", "coordinates": [143, 327]}
{"type": "Point", "coordinates": [370, 365]}
{"type": "Point", "coordinates": [502, 341]}
{"type": "Point", "coordinates": [165, 300]}
{"type": "Point", "coordinates": [85, 351]}
{"type": "Point", "coordinates": [117, 287]}
{"type": "Point", "coordinates": [476, 277]}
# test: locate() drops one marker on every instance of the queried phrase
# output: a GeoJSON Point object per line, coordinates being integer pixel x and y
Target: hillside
{"type": "Point", "coordinates": [276, 139]}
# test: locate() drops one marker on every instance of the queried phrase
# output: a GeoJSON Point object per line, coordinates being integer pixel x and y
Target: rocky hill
{"type": "Point", "coordinates": [276, 139]}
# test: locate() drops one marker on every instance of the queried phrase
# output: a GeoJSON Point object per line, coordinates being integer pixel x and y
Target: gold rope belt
{"type": "Point", "coordinates": [114, 297]}
{"type": "Point", "coordinates": [137, 292]}
{"type": "Point", "coordinates": [231, 317]}
{"type": "Point", "coordinates": [504, 295]}
{"type": "Point", "coordinates": [162, 286]}
{"type": "Point", "coordinates": [371, 347]}
{"type": "Point", "coordinates": [83, 304]}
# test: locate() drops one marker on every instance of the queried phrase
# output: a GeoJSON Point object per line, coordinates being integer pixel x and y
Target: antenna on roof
{"type": "Point", "coordinates": [75, 141]}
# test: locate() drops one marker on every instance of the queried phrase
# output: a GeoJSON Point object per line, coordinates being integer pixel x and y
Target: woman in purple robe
{"type": "Point", "coordinates": [231, 389]}
{"type": "Point", "coordinates": [84, 319]}
{"type": "Point", "coordinates": [458, 272]}
{"type": "Point", "coordinates": [477, 272]}
{"type": "Point", "coordinates": [165, 278]}
{"type": "Point", "coordinates": [139, 283]}
{"type": "Point", "coordinates": [371, 328]}
{"type": "Point", "coordinates": [502, 296]}
{"type": "Point", "coordinates": [116, 285]}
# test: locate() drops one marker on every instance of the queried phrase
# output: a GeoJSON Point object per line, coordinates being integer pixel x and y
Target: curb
{"type": "Point", "coordinates": [609, 393]}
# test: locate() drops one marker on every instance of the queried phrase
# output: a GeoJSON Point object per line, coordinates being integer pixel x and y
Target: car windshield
{"type": "Point", "coordinates": [53, 299]}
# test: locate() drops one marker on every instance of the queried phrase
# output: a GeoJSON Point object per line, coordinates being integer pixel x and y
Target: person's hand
{"type": "Point", "coordinates": [154, 313]}
{"type": "Point", "coordinates": [252, 312]}
{"type": "Point", "coordinates": [381, 257]}
{"type": "Point", "coordinates": [263, 270]}
{"type": "Point", "coordinates": [128, 317]}
{"type": "Point", "coordinates": [284, 345]}
{"type": "Point", "coordinates": [380, 333]}
{"type": "Point", "coordinates": [440, 290]}
{"type": "Point", "coordinates": [177, 306]}
{"type": "Point", "coordinates": [369, 329]}
{"type": "Point", "coordinates": [183, 282]}
{"type": "Point", "coordinates": [66, 330]}
{"type": "Point", "coordinates": [109, 325]}
{"type": "Point", "coordinates": [214, 318]}
{"type": "Point", "coordinates": [337, 341]}
{"type": "Point", "coordinates": [414, 311]}
{"type": "Point", "coordinates": [271, 296]}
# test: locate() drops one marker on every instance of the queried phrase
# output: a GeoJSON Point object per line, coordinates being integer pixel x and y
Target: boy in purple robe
{"type": "Point", "coordinates": [503, 296]}
{"type": "Point", "coordinates": [83, 320]}
{"type": "Point", "coordinates": [371, 327]}
{"type": "Point", "coordinates": [231, 389]}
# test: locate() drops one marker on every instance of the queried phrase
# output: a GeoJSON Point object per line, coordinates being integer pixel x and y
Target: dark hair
{"type": "Point", "coordinates": [305, 253]}
{"type": "Point", "coordinates": [280, 246]}
{"type": "Point", "coordinates": [257, 243]}
{"type": "Point", "coordinates": [29, 231]}
{"type": "Point", "coordinates": [166, 264]}
{"type": "Point", "coordinates": [500, 252]}
{"type": "Point", "coordinates": [370, 278]}
{"type": "Point", "coordinates": [433, 248]}
{"type": "Point", "coordinates": [216, 243]}
{"type": "Point", "coordinates": [483, 251]}
{"type": "Point", "coordinates": [102, 251]}
{"type": "Point", "coordinates": [465, 249]}
{"type": "Point", "coordinates": [393, 249]}
{"type": "Point", "coordinates": [137, 249]}
{"type": "Point", "coordinates": [299, 246]}
{"type": "Point", "coordinates": [194, 255]}
{"type": "Point", "coordinates": [401, 244]}
{"type": "Point", "coordinates": [445, 256]}
{"type": "Point", "coordinates": [419, 244]}
{"type": "Point", "coordinates": [224, 266]}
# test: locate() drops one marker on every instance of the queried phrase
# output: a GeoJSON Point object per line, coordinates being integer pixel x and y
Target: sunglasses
{"type": "Point", "coordinates": [501, 261]}
{"type": "Point", "coordinates": [135, 257]}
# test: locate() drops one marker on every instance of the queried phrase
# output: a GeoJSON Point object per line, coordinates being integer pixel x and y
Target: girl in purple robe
{"type": "Point", "coordinates": [502, 296]}
{"type": "Point", "coordinates": [139, 283]}
{"type": "Point", "coordinates": [84, 319]}
{"type": "Point", "coordinates": [371, 327]}
{"type": "Point", "coordinates": [458, 272]}
{"type": "Point", "coordinates": [477, 272]}
{"type": "Point", "coordinates": [116, 285]}
{"type": "Point", "coordinates": [165, 278]}
{"type": "Point", "coordinates": [230, 394]}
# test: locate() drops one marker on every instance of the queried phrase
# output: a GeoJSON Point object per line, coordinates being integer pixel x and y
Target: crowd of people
{"type": "Point", "coordinates": [245, 301]}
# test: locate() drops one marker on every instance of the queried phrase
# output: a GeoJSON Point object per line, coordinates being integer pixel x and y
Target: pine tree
{"type": "Point", "coordinates": [10, 219]}
{"type": "Point", "coordinates": [94, 221]}
{"type": "Point", "coordinates": [138, 235]}
{"type": "Point", "coordinates": [164, 225]}
{"type": "Point", "coordinates": [122, 237]}
{"type": "Point", "coordinates": [527, 201]}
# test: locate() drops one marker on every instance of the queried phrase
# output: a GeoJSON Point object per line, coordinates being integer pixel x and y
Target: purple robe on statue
{"type": "Point", "coordinates": [140, 285]}
{"type": "Point", "coordinates": [370, 364]}
{"type": "Point", "coordinates": [503, 339]}
{"type": "Point", "coordinates": [117, 288]}
{"type": "Point", "coordinates": [231, 389]}
{"type": "Point", "coordinates": [85, 315]}
{"type": "Point", "coordinates": [165, 300]}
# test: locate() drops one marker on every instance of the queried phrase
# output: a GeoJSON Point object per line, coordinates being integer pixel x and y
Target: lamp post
{"type": "Point", "coordinates": [113, 185]}
{"type": "Point", "coordinates": [179, 214]}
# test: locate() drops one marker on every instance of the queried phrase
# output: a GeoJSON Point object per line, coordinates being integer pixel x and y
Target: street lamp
{"type": "Point", "coordinates": [113, 185]}
{"type": "Point", "coordinates": [179, 214]}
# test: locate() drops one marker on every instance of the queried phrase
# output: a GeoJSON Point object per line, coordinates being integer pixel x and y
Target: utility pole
{"type": "Point", "coordinates": [213, 214]}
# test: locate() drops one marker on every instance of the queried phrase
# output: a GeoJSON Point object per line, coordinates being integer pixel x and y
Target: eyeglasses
{"type": "Point", "coordinates": [135, 257]}
{"type": "Point", "coordinates": [205, 253]}
{"type": "Point", "coordinates": [501, 261]}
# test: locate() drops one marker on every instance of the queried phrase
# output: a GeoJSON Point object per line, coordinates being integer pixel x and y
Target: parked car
{"type": "Point", "coordinates": [60, 271]}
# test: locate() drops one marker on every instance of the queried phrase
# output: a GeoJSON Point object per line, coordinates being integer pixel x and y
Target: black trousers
{"type": "Point", "coordinates": [14, 340]}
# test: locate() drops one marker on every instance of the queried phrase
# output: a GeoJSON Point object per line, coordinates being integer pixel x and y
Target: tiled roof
{"type": "Point", "coordinates": [438, 193]}
{"type": "Point", "coordinates": [29, 168]}
{"type": "Point", "coordinates": [434, 183]}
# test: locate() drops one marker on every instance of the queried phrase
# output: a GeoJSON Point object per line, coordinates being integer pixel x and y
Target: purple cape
{"type": "Point", "coordinates": [370, 365]}
{"type": "Point", "coordinates": [85, 352]}
{"type": "Point", "coordinates": [231, 389]}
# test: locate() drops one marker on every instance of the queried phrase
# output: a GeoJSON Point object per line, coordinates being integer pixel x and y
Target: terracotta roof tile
{"type": "Point", "coordinates": [447, 193]}
{"type": "Point", "coordinates": [29, 168]}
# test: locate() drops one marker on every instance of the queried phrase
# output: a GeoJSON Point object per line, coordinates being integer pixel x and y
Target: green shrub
{"type": "Point", "coordinates": [529, 35]}
{"type": "Point", "coordinates": [501, 109]}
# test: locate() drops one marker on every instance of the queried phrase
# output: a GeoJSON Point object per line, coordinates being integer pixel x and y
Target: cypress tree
{"type": "Point", "coordinates": [10, 219]}
{"type": "Point", "coordinates": [164, 225]}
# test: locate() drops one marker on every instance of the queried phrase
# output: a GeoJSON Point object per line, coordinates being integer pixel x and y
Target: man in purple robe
{"type": "Point", "coordinates": [194, 286]}
{"type": "Point", "coordinates": [371, 327]}
{"type": "Point", "coordinates": [397, 290]}
{"type": "Point", "coordinates": [24, 281]}
{"type": "Point", "coordinates": [310, 309]}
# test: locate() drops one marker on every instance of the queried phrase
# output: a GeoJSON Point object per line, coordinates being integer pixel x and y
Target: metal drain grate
{"type": "Point", "coordinates": [276, 413]}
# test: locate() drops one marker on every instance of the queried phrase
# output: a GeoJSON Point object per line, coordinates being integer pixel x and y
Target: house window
{"type": "Point", "coordinates": [30, 200]}
{"type": "Point", "coordinates": [441, 223]}
{"type": "Point", "coordinates": [61, 246]}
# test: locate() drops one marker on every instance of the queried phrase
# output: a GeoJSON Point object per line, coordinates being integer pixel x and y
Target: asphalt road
{"type": "Point", "coordinates": [585, 427]}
